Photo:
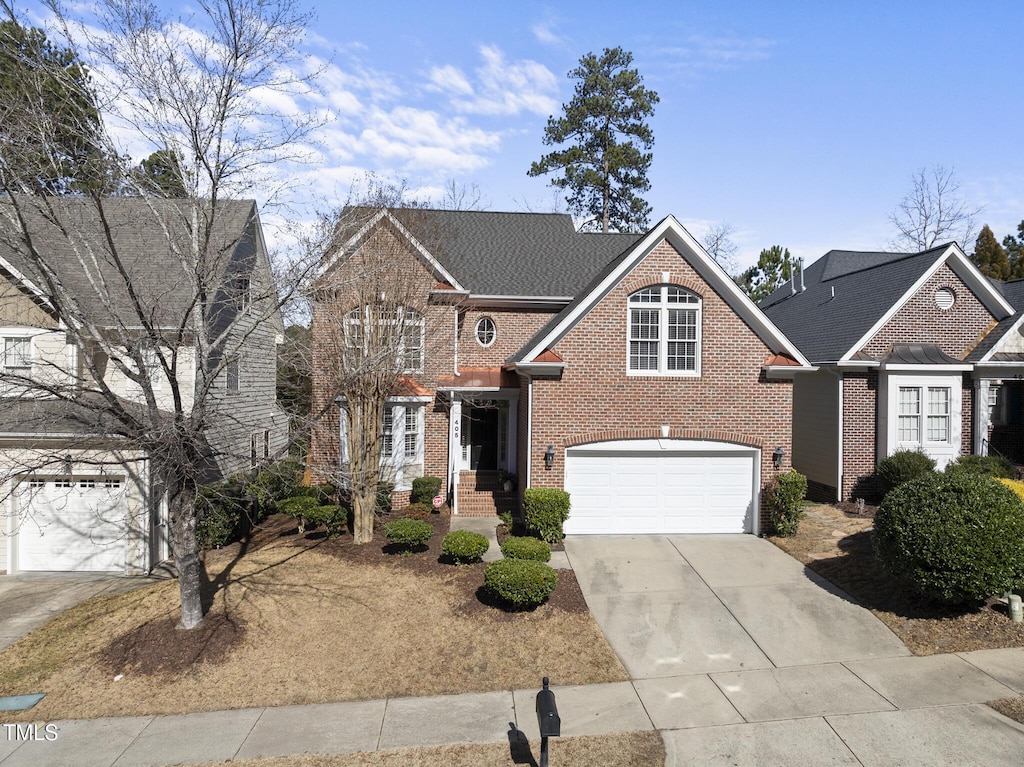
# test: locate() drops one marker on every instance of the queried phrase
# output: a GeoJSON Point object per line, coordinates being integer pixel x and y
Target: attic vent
{"type": "Point", "coordinates": [944, 298]}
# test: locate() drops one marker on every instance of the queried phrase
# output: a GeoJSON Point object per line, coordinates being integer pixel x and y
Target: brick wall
{"type": "Point", "coordinates": [596, 400]}
{"type": "Point", "coordinates": [956, 330]}
{"type": "Point", "coordinates": [860, 408]}
{"type": "Point", "coordinates": [514, 328]}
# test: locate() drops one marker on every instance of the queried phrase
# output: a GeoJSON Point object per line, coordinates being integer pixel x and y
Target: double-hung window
{"type": "Point", "coordinates": [401, 443]}
{"type": "Point", "coordinates": [924, 415]}
{"type": "Point", "coordinates": [664, 331]}
{"type": "Point", "coordinates": [17, 361]}
{"type": "Point", "coordinates": [382, 333]}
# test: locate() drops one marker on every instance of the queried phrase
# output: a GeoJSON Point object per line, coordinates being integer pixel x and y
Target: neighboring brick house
{"type": "Point", "coordinates": [628, 369]}
{"type": "Point", "coordinates": [912, 351]}
{"type": "Point", "coordinates": [73, 496]}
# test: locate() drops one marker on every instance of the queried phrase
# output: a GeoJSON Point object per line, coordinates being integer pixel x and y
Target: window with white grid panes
{"type": "Point", "coordinates": [664, 331]}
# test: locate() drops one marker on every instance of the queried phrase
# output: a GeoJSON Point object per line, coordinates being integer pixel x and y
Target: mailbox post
{"type": "Point", "coordinates": [547, 720]}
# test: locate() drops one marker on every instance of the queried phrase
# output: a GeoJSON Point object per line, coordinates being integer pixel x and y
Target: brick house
{"type": "Point", "coordinates": [628, 369]}
{"type": "Point", "coordinates": [911, 351]}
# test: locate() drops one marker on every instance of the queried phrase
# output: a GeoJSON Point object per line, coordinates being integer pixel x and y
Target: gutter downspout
{"type": "Point", "coordinates": [529, 432]}
{"type": "Point", "coordinates": [839, 436]}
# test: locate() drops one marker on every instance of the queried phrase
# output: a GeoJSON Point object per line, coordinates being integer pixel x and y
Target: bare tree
{"type": "Point", "coordinates": [167, 316]}
{"type": "Point", "coordinates": [458, 196]}
{"type": "Point", "coordinates": [719, 245]}
{"type": "Point", "coordinates": [933, 211]}
{"type": "Point", "coordinates": [373, 323]}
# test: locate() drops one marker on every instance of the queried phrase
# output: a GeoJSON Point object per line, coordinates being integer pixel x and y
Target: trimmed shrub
{"type": "Point", "coordinates": [952, 538]}
{"type": "Point", "coordinates": [384, 491]}
{"type": "Point", "coordinates": [408, 533]}
{"type": "Point", "coordinates": [903, 466]}
{"type": "Point", "coordinates": [505, 516]}
{"type": "Point", "coordinates": [465, 546]}
{"type": "Point", "coordinates": [1014, 484]}
{"type": "Point", "coordinates": [333, 518]}
{"type": "Point", "coordinates": [546, 510]}
{"type": "Point", "coordinates": [424, 489]}
{"type": "Point", "coordinates": [522, 547]}
{"type": "Point", "coordinates": [784, 497]}
{"type": "Point", "coordinates": [992, 465]}
{"type": "Point", "coordinates": [323, 494]}
{"type": "Point", "coordinates": [418, 511]}
{"type": "Point", "coordinates": [277, 481]}
{"type": "Point", "coordinates": [298, 506]}
{"type": "Point", "coordinates": [520, 582]}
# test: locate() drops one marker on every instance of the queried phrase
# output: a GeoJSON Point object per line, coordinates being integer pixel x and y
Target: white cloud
{"type": "Point", "coordinates": [450, 79]}
{"type": "Point", "coordinates": [501, 87]}
{"type": "Point", "coordinates": [700, 53]}
{"type": "Point", "coordinates": [544, 33]}
{"type": "Point", "coordinates": [421, 140]}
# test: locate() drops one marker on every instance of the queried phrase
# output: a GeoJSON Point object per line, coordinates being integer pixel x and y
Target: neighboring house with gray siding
{"type": "Point", "coordinates": [75, 494]}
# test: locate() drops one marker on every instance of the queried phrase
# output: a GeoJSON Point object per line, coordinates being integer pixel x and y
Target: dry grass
{"type": "Point", "coordinates": [317, 628]}
{"type": "Point", "coordinates": [839, 548]}
{"type": "Point", "coordinates": [633, 749]}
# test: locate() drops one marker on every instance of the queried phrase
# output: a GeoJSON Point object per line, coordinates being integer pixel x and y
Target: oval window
{"type": "Point", "coordinates": [486, 332]}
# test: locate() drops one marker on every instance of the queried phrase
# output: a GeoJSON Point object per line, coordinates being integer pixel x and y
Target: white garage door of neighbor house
{"type": "Point", "coordinates": [661, 486]}
{"type": "Point", "coordinates": [72, 524]}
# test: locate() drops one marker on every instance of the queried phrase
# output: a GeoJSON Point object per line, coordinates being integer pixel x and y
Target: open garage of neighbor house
{"type": "Point", "coordinates": [662, 486]}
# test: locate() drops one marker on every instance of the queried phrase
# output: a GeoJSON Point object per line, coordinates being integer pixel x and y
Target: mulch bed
{"type": "Point", "coordinates": [159, 647]}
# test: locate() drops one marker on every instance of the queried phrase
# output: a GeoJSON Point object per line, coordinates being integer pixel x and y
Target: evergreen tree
{"type": "Point", "coordinates": [989, 256]}
{"type": "Point", "coordinates": [49, 123]}
{"type": "Point", "coordinates": [774, 267]}
{"type": "Point", "coordinates": [1014, 246]}
{"type": "Point", "coordinates": [162, 171]}
{"type": "Point", "coordinates": [605, 166]}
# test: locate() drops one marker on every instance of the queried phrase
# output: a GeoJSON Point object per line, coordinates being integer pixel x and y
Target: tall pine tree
{"type": "Point", "coordinates": [605, 165]}
{"type": "Point", "coordinates": [989, 256]}
{"type": "Point", "coordinates": [1015, 251]}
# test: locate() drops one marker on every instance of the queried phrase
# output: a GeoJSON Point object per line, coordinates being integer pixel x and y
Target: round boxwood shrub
{"type": "Point", "coordinates": [333, 518]}
{"type": "Point", "coordinates": [409, 533]}
{"type": "Point", "coordinates": [465, 546]}
{"type": "Point", "coordinates": [992, 465]}
{"type": "Point", "coordinates": [424, 489]}
{"type": "Point", "coordinates": [903, 466]}
{"type": "Point", "coordinates": [545, 510]}
{"type": "Point", "coordinates": [522, 547]}
{"type": "Point", "coordinates": [521, 583]}
{"type": "Point", "coordinates": [298, 506]}
{"type": "Point", "coordinates": [952, 538]}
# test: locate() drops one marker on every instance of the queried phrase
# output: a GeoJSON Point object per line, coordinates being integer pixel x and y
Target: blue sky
{"type": "Point", "coordinates": [798, 123]}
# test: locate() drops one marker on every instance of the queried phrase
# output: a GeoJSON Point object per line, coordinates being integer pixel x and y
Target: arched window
{"type": "Point", "coordinates": [396, 334]}
{"type": "Point", "coordinates": [664, 331]}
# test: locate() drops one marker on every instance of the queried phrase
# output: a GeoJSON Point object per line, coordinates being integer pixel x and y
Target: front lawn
{"type": "Point", "coordinates": [304, 619]}
{"type": "Point", "coordinates": [837, 545]}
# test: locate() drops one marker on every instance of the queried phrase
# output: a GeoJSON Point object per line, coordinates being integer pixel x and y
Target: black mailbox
{"type": "Point", "coordinates": [547, 713]}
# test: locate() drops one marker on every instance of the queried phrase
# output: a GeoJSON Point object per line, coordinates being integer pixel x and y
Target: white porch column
{"type": "Point", "coordinates": [982, 415]}
{"type": "Point", "coordinates": [454, 449]}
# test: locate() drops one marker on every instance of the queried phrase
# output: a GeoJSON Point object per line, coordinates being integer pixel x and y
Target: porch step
{"type": "Point", "coordinates": [480, 495]}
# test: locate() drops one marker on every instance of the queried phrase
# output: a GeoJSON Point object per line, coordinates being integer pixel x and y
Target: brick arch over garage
{"type": "Point", "coordinates": [708, 435]}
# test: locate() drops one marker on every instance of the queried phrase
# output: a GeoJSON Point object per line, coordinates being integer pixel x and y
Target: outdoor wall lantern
{"type": "Point", "coordinates": [549, 457]}
{"type": "Point", "coordinates": [548, 721]}
{"type": "Point", "coordinates": [777, 456]}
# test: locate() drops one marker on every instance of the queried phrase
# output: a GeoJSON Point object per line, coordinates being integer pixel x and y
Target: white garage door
{"type": "Point", "coordinates": [72, 523]}
{"type": "Point", "coordinates": [661, 486]}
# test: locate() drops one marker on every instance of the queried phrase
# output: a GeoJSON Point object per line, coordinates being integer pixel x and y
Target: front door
{"type": "Point", "coordinates": [481, 433]}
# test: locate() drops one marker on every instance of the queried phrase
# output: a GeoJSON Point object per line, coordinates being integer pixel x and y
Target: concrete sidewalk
{"type": "Point", "coordinates": [911, 710]}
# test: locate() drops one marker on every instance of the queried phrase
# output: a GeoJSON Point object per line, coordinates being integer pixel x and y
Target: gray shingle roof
{"type": "Point", "coordinates": [513, 254]}
{"type": "Point", "coordinates": [847, 292]}
{"type": "Point", "coordinates": [919, 354]}
{"type": "Point", "coordinates": [149, 237]}
{"type": "Point", "coordinates": [1013, 292]}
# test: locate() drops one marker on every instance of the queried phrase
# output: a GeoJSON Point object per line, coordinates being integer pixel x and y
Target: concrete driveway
{"type": "Point", "coordinates": [740, 655]}
{"type": "Point", "coordinates": [28, 600]}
